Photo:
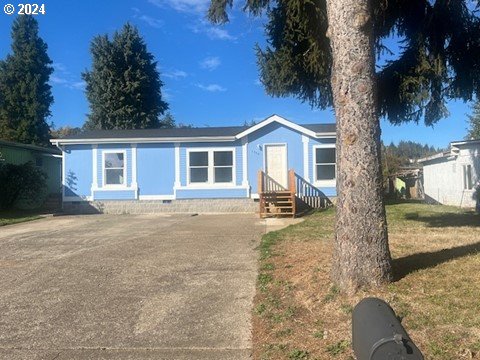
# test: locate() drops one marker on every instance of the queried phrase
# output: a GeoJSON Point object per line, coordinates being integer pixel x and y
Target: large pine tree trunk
{"type": "Point", "coordinates": [361, 254]}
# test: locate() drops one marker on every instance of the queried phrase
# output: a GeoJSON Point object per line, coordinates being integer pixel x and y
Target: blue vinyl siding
{"type": "Point", "coordinates": [78, 170]}
{"type": "Point", "coordinates": [155, 165]}
{"type": "Point", "coordinates": [211, 193]}
{"type": "Point", "coordinates": [155, 169]}
{"type": "Point", "coordinates": [273, 133]}
{"type": "Point", "coordinates": [114, 195]}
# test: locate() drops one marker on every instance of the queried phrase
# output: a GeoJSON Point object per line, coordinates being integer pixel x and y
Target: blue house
{"type": "Point", "coordinates": [168, 166]}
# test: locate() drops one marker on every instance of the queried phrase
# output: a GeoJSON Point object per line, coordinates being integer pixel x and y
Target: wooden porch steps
{"type": "Point", "coordinates": [277, 200]}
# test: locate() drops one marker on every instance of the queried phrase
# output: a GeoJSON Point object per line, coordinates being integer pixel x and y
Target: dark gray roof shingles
{"type": "Point", "coordinates": [182, 132]}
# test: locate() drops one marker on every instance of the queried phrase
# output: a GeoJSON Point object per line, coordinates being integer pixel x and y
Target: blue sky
{"type": "Point", "coordinates": [209, 72]}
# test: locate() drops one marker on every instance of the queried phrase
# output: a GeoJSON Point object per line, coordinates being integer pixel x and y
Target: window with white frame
{"type": "Point", "coordinates": [325, 167]}
{"type": "Point", "coordinates": [114, 168]}
{"type": "Point", "coordinates": [467, 177]}
{"type": "Point", "coordinates": [210, 167]}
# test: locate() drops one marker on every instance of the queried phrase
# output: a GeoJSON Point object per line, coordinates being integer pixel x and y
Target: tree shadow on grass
{"type": "Point", "coordinates": [470, 219]}
{"type": "Point", "coordinates": [411, 263]}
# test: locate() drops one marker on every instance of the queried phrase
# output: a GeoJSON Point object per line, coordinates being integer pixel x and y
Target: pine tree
{"type": "Point", "coordinates": [474, 121]}
{"type": "Point", "coordinates": [123, 87]}
{"type": "Point", "coordinates": [324, 52]}
{"type": "Point", "coordinates": [168, 121]}
{"type": "Point", "coordinates": [25, 94]}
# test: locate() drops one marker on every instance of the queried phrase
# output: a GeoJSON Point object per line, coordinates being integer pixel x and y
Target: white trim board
{"type": "Point", "coordinates": [323, 183]}
{"type": "Point", "coordinates": [77, 198]}
{"type": "Point", "coordinates": [215, 187]}
{"type": "Point", "coordinates": [280, 120]}
{"type": "Point", "coordinates": [156, 197]}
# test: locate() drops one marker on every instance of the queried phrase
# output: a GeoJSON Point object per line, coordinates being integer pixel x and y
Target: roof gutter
{"type": "Point", "coordinates": [58, 142]}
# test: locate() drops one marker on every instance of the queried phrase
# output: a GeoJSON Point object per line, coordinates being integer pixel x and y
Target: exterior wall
{"type": "Point", "coordinates": [77, 172]}
{"type": "Point", "coordinates": [297, 145]}
{"type": "Point", "coordinates": [50, 165]}
{"type": "Point", "coordinates": [204, 206]}
{"type": "Point", "coordinates": [15, 155]}
{"type": "Point", "coordinates": [444, 179]}
{"type": "Point", "coordinates": [157, 172]}
{"type": "Point", "coordinates": [273, 133]}
{"type": "Point", "coordinates": [155, 169]}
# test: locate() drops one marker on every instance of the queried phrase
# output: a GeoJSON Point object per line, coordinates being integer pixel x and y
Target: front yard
{"type": "Point", "coordinates": [299, 314]}
{"type": "Point", "coordinates": [14, 217]}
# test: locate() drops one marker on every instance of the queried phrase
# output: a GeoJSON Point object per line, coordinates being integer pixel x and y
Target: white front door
{"type": "Point", "coordinates": [276, 163]}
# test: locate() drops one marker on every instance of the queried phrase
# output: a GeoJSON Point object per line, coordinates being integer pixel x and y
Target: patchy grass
{"type": "Point", "coordinates": [14, 217]}
{"type": "Point", "coordinates": [300, 314]}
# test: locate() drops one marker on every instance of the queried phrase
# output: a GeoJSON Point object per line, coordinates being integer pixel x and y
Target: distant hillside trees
{"type": "Point", "coordinates": [25, 94]}
{"type": "Point", "coordinates": [474, 122]}
{"type": "Point", "coordinates": [396, 156]}
{"type": "Point", "coordinates": [65, 131]}
{"type": "Point", "coordinates": [123, 86]}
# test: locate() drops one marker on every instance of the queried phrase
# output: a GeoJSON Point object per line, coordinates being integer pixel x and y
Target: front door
{"type": "Point", "coordinates": [276, 163]}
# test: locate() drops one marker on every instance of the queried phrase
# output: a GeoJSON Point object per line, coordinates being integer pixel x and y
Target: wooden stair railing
{"type": "Point", "coordinates": [278, 200]}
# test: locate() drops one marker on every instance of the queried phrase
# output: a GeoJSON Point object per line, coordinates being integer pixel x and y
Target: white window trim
{"type": "Point", "coordinates": [114, 186]}
{"type": "Point", "coordinates": [323, 183]}
{"type": "Point", "coordinates": [211, 169]}
{"type": "Point", "coordinates": [468, 180]}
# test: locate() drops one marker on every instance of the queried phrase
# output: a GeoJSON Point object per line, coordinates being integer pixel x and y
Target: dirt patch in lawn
{"type": "Point", "coordinates": [299, 314]}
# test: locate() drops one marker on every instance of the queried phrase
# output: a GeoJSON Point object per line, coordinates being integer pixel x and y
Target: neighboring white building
{"type": "Point", "coordinates": [451, 177]}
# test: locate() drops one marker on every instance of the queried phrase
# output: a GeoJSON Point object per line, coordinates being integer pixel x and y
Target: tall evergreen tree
{"type": "Point", "coordinates": [168, 121]}
{"type": "Point", "coordinates": [123, 87]}
{"type": "Point", "coordinates": [474, 122]}
{"type": "Point", "coordinates": [323, 51]}
{"type": "Point", "coordinates": [25, 94]}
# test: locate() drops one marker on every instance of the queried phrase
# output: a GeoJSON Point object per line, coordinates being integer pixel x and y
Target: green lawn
{"type": "Point", "coordinates": [14, 217]}
{"type": "Point", "coordinates": [300, 314]}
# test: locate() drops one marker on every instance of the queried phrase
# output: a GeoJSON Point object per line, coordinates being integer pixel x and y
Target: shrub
{"type": "Point", "coordinates": [22, 186]}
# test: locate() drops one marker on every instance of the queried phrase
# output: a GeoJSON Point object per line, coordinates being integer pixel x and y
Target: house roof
{"type": "Point", "coordinates": [451, 153]}
{"type": "Point", "coordinates": [31, 147]}
{"type": "Point", "coordinates": [226, 133]}
{"type": "Point", "coordinates": [159, 133]}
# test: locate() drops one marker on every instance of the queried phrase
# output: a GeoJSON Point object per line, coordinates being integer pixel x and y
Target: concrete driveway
{"type": "Point", "coordinates": [128, 287]}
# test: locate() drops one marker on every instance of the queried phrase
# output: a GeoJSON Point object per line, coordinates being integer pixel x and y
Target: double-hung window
{"type": "Point", "coordinates": [114, 168]}
{"type": "Point", "coordinates": [467, 177]}
{"type": "Point", "coordinates": [208, 167]}
{"type": "Point", "coordinates": [325, 166]}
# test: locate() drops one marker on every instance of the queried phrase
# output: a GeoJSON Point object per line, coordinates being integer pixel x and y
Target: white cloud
{"type": "Point", "coordinates": [213, 32]}
{"type": "Point", "coordinates": [218, 33]}
{"type": "Point", "coordinates": [210, 63]}
{"type": "Point", "coordinates": [63, 77]}
{"type": "Point", "coordinates": [167, 94]}
{"type": "Point", "coordinates": [59, 67]}
{"type": "Point", "coordinates": [187, 6]}
{"type": "Point", "coordinates": [175, 74]}
{"type": "Point", "coordinates": [57, 80]}
{"type": "Point", "coordinates": [197, 8]}
{"type": "Point", "coordinates": [78, 85]}
{"type": "Point", "coordinates": [153, 22]}
{"type": "Point", "coordinates": [212, 87]}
